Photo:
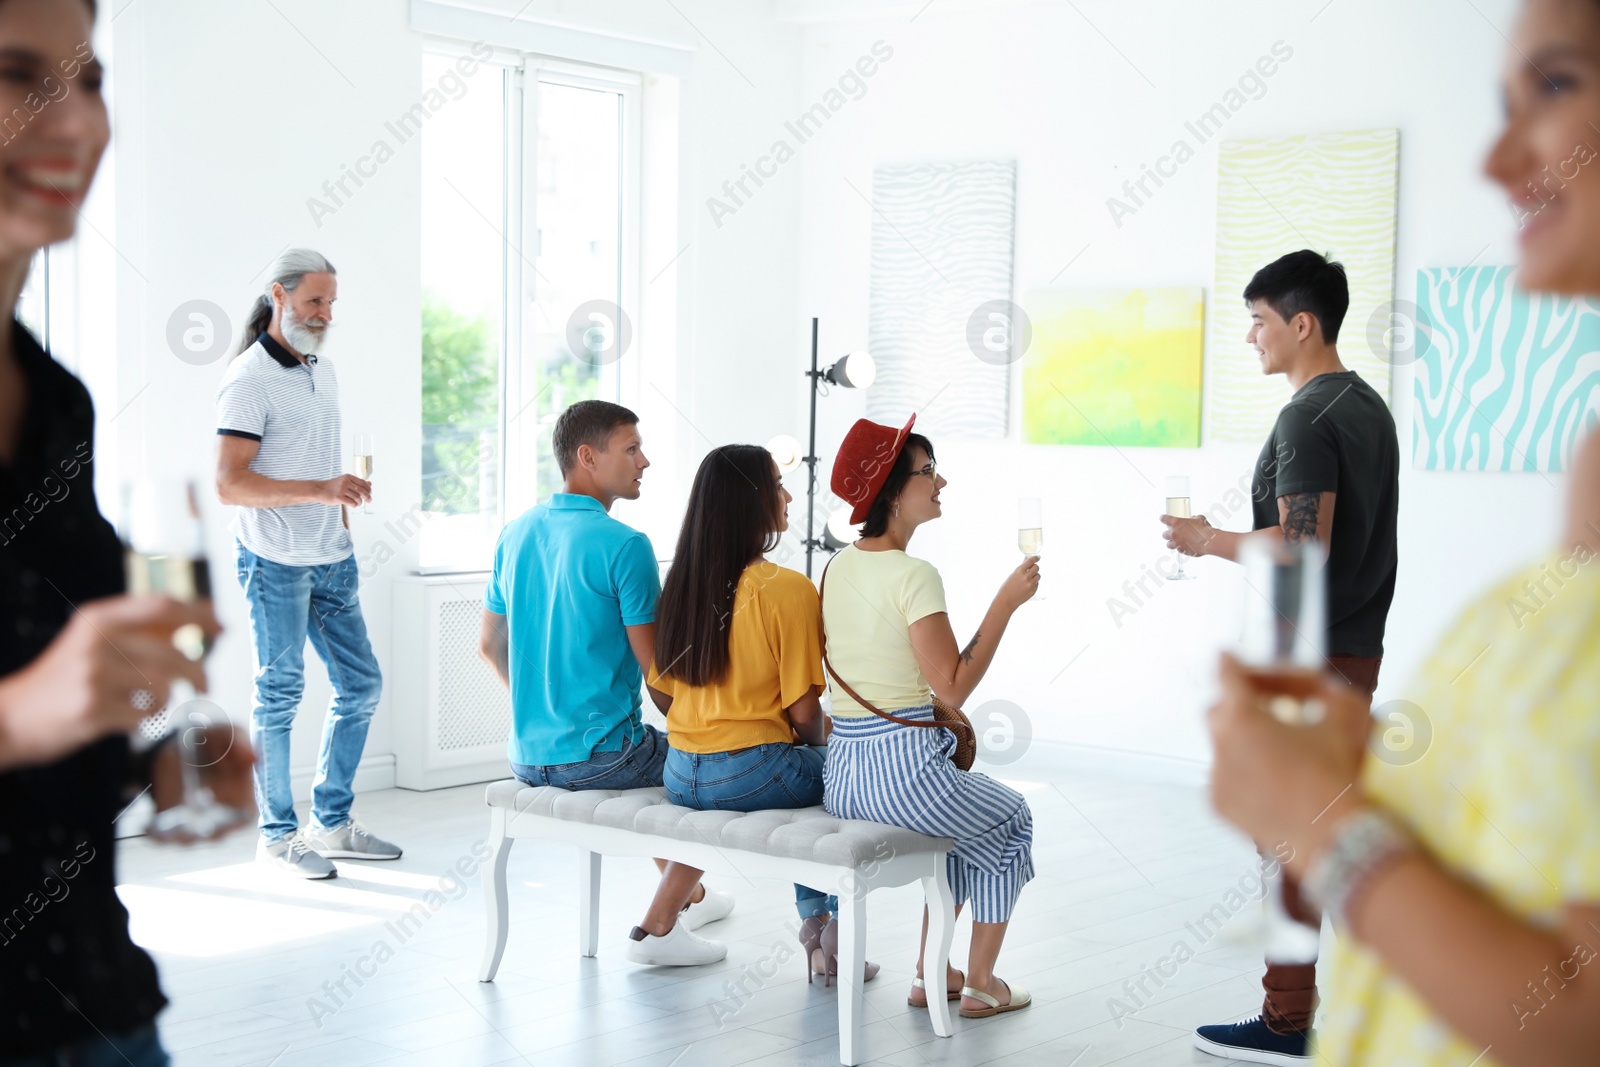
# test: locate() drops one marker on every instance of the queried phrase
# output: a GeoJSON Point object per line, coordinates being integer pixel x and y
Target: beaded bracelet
{"type": "Point", "coordinates": [1362, 844]}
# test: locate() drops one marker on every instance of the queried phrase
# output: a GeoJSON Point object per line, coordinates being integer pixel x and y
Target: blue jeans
{"type": "Point", "coordinates": [753, 779]}
{"type": "Point", "coordinates": [633, 767]}
{"type": "Point", "coordinates": [288, 605]}
{"type": "Point", "coordinates": [142, 1048]}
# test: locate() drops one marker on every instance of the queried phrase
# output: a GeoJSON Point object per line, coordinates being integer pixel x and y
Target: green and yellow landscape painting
{"type": "Point", "coordinates": [1115, 367]}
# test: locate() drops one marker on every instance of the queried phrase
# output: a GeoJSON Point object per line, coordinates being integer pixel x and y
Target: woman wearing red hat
{"type": "Point", "coordinates": [888, 639]}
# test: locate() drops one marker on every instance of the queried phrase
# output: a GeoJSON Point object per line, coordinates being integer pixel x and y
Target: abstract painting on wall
{"type": "Point", "coordinates": [1114, 368]}
{"type": "Point", "coordinates": [1333, 193]}
{"type": "Point", "coordinates": [942, 237]}
{"type": "Point", "coordinates": [1506, 380]}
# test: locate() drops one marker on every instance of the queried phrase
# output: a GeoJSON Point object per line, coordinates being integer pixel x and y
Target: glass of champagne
{"type": "Point", "coordinates": [1030, 530]}
{"type": "Point", "coordinates": [164, 552]}
{"type": "Point", "coordinates": [1284, 622]}
{"type": "Point", "coordinates": [363, 464]}
{"type": "Point", "coordinates": [1281, 649]}
{"type": "Point", "coordinates": [1178, 508]}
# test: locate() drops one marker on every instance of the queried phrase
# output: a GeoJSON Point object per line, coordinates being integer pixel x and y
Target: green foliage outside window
{"type": "Point", "coordinates": [460, 408]}
{"type": "Point", "coordinates": [566, 382]}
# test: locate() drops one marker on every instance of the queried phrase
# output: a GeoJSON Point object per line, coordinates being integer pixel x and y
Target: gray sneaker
{"type": "Point", "coordinates": [350, 842]}
{"type": "Point", "coordinates": [293, 855]}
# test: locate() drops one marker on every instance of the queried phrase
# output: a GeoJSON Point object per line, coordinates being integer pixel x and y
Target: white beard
{"type": "Point", "coordinates": [301, 337]}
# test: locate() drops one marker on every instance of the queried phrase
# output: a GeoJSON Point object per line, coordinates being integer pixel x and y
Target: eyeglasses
{"type": "Point", "coordinates": [931, 470]}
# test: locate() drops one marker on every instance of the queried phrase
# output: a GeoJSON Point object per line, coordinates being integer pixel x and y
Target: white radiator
{"type": "Point", "coordinates": [452, 716]}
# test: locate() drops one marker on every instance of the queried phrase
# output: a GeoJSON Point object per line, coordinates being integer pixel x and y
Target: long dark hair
{"type": "Point", "coordinates": [731, 520]}
{"type": "Point", "coordinates": [877, 520]}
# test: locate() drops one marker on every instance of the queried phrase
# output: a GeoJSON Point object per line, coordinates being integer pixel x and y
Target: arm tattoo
{"type": "Point", "coordinates": [1300, 517]}
{"type": "Point", "coordinates": [966, 653]}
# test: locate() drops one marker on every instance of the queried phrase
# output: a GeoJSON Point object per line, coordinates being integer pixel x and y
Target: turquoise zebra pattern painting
{"type": "Point", "coordinates": [1506, 380]}
{"type": "Point", "coordinates": [942, 239]}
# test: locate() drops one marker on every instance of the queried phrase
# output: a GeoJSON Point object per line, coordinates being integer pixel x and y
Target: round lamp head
{"type": "Point", "coordinates": [785, 452]}
{"type": "Point", "coordinates": [855, 371]}
{"type": "Point", "coordinates": [840, 532]}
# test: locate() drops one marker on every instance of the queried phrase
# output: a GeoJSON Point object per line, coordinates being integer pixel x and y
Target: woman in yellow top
{"type": "Point", "coordinates": [1465, 880]}
{"type": "Point", "coordinates": [738, 669]}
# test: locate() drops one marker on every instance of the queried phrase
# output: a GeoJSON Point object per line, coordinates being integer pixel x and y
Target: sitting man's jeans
{"type": "Point", "coordinates": [142, 1048]}
{"type": "Point", "coordinates": [635, 766]}
{"type": "Point", "coordinates": [753, 779]}
{"type": "Point", "coordinates": [287, 605]}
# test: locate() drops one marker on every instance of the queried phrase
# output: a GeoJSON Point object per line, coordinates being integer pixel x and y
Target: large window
{"type": "Point", "coordinates": [526, 261]}
{"type": "Point", "coordinates": [578, 253]}
{"type": "Point", "coordinates": [464, 203]}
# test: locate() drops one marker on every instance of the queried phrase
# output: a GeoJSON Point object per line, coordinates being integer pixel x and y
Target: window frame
{"type": "Point", "coordinates": [520, 436]}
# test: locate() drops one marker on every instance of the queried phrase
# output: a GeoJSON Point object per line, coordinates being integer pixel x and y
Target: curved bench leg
{"type": "Point", "coordinates": [496, 917]}
{"type": "Point", "coordinates": [852, 919]}
{"type": "Point", "coordinates": [588, 902]}
{"type": "Point", "coordinates": [941, 932]}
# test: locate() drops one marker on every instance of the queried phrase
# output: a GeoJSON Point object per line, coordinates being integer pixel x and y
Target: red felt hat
{"type": "Point", "coordinates": [862, 466]}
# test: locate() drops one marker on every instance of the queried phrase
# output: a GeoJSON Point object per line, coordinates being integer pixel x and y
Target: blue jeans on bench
{"type": "Point", "coordinates": [634, 766]}
{"type": "Point", "coordinates": [753, 779]}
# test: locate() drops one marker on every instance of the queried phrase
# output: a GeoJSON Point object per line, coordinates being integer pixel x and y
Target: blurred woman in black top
{"type": "Point", "coordinates": [80, 664]}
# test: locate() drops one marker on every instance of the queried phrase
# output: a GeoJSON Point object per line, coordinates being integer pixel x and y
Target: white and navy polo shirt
{"type": "Point", "coordinates": [292, 408]}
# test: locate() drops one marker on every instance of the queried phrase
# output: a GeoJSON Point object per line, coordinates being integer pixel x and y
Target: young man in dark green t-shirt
{"type": "Point", "coordinates": [1328, 472]}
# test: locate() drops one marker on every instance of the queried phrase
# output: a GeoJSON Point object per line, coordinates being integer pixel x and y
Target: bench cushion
{"type": "Point", "coordinates": [792, 833]}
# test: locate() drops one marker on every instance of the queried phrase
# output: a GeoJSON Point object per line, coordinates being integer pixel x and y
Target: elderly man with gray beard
{"type": "Point", "coordinates": [279, 462]}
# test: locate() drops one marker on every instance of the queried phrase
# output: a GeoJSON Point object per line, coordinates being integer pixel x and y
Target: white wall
{"type": "Point", "coordinates": [227, 121]}
{"type": "Point", "coordinates": [229, 116]}
{"type": "Point", "coordinates": [1065, 94]}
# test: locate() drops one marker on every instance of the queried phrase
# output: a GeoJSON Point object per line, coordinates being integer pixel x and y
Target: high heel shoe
{"type": "Point", "coordinates": [825, 958]}
{"type": "Point", "coordinates": [811, 941]}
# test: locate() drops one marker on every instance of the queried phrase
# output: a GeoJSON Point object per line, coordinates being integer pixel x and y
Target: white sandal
{"type": "Point", "coordinates": [1020, 998]}
{"type": "Point", "coordinates": [917, 983]}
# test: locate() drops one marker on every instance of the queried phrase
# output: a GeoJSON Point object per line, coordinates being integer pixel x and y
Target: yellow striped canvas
{"type": "Point", "coordinates": [1333, 193]}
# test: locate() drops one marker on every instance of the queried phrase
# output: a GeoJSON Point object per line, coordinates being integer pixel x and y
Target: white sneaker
{"type": "Point", "coordinates": [713, 906]}
{"type": "Point", "coordinates": [677, 948]}
{"type": "Point", "coordinates": [351, 841]}
{"type": "Point", "coordinates": [293, 856]}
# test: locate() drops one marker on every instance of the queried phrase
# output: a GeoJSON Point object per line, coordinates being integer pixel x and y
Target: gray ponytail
{"type": "Point", "coordinates": [291, 265]}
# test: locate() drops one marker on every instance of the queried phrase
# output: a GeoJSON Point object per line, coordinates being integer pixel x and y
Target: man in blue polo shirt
{"type": "Point", "coordinates": [569, 625]}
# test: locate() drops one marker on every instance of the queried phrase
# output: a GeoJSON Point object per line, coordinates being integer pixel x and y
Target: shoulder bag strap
{"type": "Point", "coordinates": [842, 684]}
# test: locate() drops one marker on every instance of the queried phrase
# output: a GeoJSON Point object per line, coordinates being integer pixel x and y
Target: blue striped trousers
{"type": "Point", "coordinates": [902, 775]}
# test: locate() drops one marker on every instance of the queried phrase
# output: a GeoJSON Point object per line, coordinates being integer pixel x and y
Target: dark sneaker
{"type": "Point", "coordinates": [1252, 1042]}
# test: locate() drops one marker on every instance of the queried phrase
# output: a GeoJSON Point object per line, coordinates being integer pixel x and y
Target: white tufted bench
{"type": "Point", "coordinates": [848, 857]}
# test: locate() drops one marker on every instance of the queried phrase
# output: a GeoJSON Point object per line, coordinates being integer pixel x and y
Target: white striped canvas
{"type": "Point", "coordinates": [1506, 380]}
{"type": "Point", "coordinates": [1332, 193]}
{"type": "Point", "coordinates": [942, 237]}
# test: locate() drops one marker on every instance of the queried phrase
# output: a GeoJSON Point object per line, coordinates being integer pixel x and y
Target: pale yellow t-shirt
{"type": "Point", "coordinates": [869, 602]}
{"type": "Point", "coordinates": [1506, 796]}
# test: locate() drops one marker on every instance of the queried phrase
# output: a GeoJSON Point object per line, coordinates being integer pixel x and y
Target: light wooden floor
{"type": "Point", "coordinates": [1125, 871]}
